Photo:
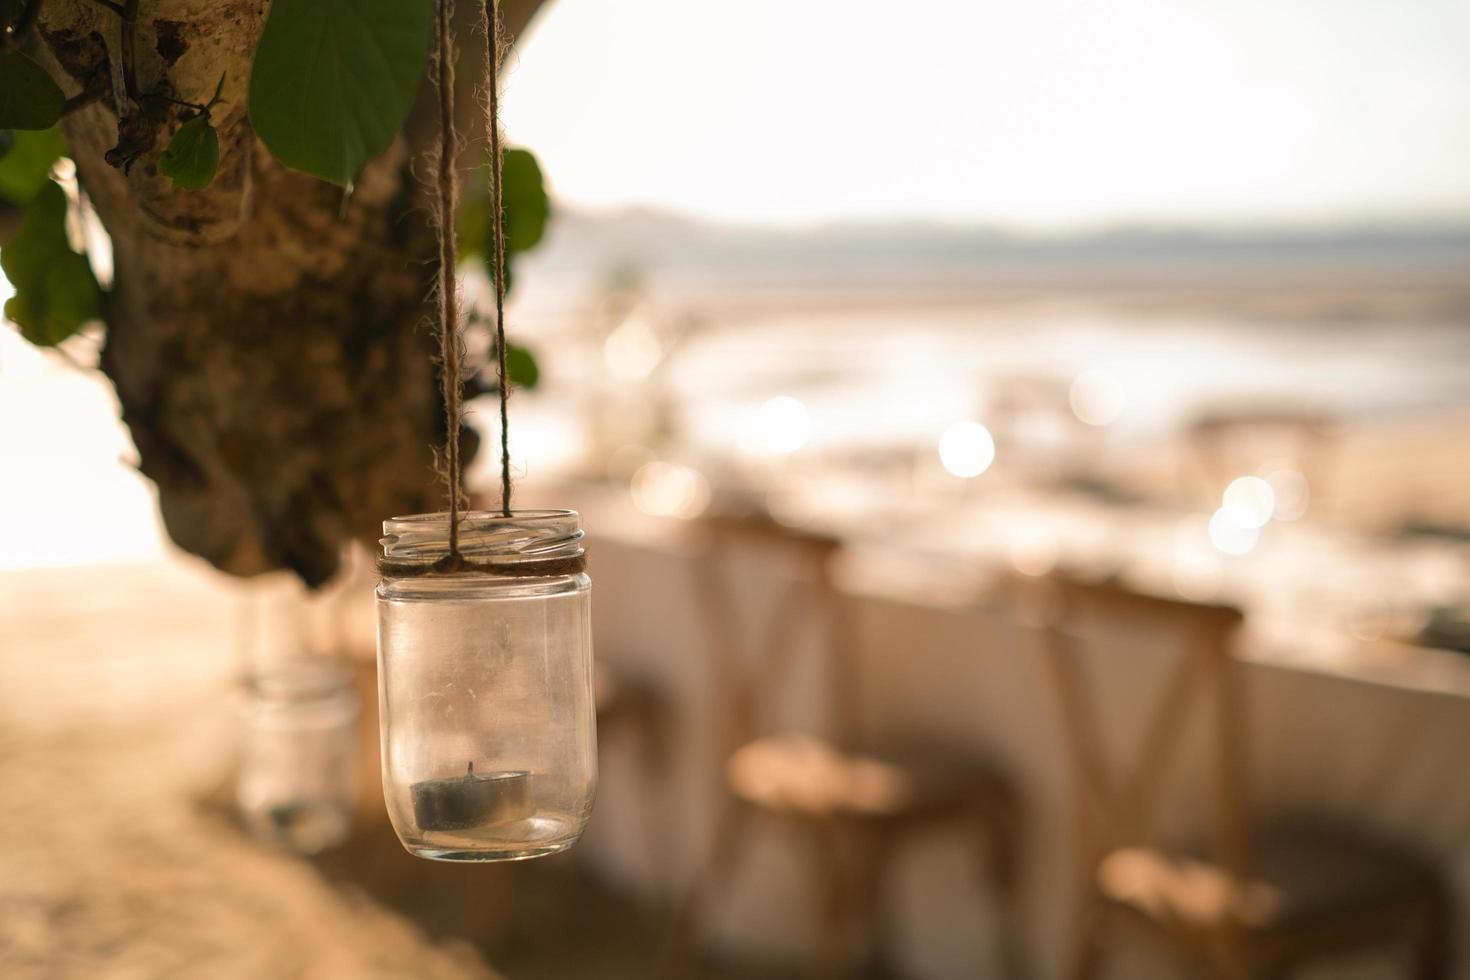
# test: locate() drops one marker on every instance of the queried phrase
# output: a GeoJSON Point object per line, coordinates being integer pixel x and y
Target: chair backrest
{"type": "Point", "coordinates": [755, 644]}
{"type": "Point", "coordinates": [1229, 443]}
{"type": "Point", "coordinates": [1117, 802]}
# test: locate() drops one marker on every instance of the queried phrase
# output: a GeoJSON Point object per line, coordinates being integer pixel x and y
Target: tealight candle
{"type": "Point", "coordinates": [469, 801]}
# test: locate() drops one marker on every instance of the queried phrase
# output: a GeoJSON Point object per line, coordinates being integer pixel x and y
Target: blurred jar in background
{"type": "Point", "coordinates": [296, 779]}
{"type": "Point", "coordinates": [296, 782]}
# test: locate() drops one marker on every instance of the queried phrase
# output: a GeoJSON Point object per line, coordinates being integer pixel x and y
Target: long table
{"type": "Point", "coordinates": [1379, 743]}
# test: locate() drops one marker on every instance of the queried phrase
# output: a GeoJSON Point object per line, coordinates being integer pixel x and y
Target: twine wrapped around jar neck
{"type": "Point", "coordinates": [460, 565]}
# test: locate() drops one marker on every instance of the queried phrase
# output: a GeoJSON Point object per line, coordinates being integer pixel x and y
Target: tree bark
{"type": "Point", "coordinates": [266, 335]}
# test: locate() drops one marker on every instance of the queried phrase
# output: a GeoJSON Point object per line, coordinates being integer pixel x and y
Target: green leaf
{"type": "Point", "coordinates": [526, 205]}
{"type": "Point", "coordinates": [7, 140]}
{"type": "Point", "coordinates": [29, 99]}
{"type": "Point", "coordinates": [27, 167]}
{"type": "Point", "coordinates": [192, 155]}
{"type": "Point", "coordinates": [527, 208]}
{"type": "Point", "coordinates": [333, 80]}
{"type": "Point", "coordinates": [521, 367]}
{"type": "Point", "coordinates": [55, 290]}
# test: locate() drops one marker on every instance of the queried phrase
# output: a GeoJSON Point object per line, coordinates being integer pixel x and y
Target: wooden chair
{"type": "Point", "coordinates": [1229, 442]}
{"type": "Point", "coordinates": [853, 808]}
{"type": "Point", "coordinates": [1252, 905]}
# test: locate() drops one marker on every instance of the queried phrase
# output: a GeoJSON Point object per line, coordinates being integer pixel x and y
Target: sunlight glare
{"type": "Point", "coordinates": [966, 449]}
{"type": "Point", "coordinates": [1233, 531]}
{"type": "Point", "coordinates": [1253, 498]}
{"type": "Point", "coordinates": [779, 427]}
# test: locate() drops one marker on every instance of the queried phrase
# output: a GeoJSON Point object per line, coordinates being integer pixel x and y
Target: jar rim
{"type": "Point", "coordinates": [524, 536]}
{"type": "Point", "coordinates": [299, 678]}
{"type": "Point", "coordinates": [480, 518]}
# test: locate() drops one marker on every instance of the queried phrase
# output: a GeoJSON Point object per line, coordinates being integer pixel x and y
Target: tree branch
{"type": "Point", "coordinates": [28, 17]}
{"type": "Point", "coordinates": [267, 359]}
{"type": "Point", "coordinates": [81, 100]}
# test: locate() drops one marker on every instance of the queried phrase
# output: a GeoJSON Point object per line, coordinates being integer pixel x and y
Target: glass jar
{"type": "Point", "coordinates": [485, 685]}
{"type": "Point", "coordinates": [298, 754]}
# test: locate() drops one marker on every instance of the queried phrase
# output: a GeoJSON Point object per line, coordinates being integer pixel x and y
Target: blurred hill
{"type": "Point", "coordinates": [679, 253]}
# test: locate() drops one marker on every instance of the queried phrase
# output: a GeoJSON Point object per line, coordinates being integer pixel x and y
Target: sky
{"type": "Point", "coordinates": [1038, 114]}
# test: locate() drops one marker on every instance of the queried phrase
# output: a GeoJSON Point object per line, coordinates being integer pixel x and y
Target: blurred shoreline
{"type": "Point", "coordinates": [1421, 270]}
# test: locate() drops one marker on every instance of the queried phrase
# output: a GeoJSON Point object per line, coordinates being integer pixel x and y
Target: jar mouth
{"type": "Point", "coordinates": [302, 679]}
{"type": "Point", "coordinates": [524, 535]}
{"type": "Point", "coordinates": [441, 517]}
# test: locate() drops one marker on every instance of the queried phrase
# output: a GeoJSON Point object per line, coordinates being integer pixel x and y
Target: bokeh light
{"type": "Point", "coordinates": [1233, 531]}
{"type": "Point", "coordinates": [633, 350]}
{"type": "Point", "coordinates": [665, 489]}
{"type": "Point", "coordinates": [1253, 498]}
{"type": "Point", "coordinates": [779, 427]}
{"type": "Point", "coordinates": [966, 449]}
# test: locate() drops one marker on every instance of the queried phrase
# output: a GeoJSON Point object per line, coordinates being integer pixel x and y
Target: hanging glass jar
{"type": "Point", "coordinates": [485, 684]}
{"type": "Point", "coordinates": [298, 754]}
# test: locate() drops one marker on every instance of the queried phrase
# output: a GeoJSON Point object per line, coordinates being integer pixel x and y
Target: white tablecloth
{"type": "Point", "coordinates": [1388, 757]}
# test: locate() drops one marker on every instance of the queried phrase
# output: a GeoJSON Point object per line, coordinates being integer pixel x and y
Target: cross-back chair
{"type": "Point", "coordinates": [1227, 443]}
{"type": "Point", "coordinates": [852, 808]}
{"type": "Point", "coordinates": [1249, 904]}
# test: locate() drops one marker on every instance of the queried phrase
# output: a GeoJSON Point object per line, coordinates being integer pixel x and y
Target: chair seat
{"type": "Point", "coordinates": [800, 775]}
{"type": "Point", "coordinates": [1303, 875]}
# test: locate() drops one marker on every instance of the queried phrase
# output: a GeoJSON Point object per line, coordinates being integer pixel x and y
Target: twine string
{"type": "Point", "coordinates": [458, 564]}
{"type": "Point", "coordinates": [451, 349]}
{"type": "Point", "coordinates": [497, 236]}
{"type": "Point", "coordinates": [449, 337]}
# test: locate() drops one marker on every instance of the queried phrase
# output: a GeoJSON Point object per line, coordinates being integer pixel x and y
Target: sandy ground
{"type": "Point", "coordinates": [114, 722]}
{"type": "Point", "coordinates": [117, 860]}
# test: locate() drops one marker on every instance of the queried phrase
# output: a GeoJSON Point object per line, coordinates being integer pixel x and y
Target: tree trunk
{"type": "Point", "coordinates": [266, 335]}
